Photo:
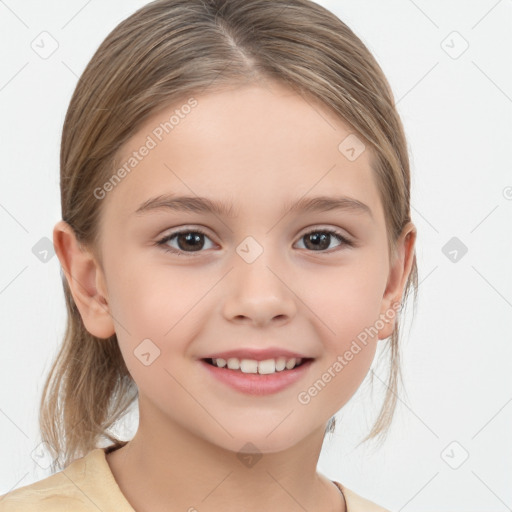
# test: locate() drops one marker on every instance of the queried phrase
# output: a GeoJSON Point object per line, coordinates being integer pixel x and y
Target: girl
{"type": "Point", "coordinates": [235, 240]}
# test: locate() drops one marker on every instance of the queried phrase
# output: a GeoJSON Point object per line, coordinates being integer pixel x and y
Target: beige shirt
{"type": "Point", "coordinates": [88, 485]}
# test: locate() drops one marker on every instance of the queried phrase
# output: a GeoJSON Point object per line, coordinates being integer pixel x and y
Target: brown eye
{"type": "Point", "coordinates": [320, 240]}
{"type": "Point", "coordinates": [188, 241]}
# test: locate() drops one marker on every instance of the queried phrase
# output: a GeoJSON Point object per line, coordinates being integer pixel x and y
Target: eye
{"type": "Point", "coordinates": [320, 239]}
{"type": "Point", "coordinates": [186, 239]}
{"type": "Point", "coordinates": [191, 241]}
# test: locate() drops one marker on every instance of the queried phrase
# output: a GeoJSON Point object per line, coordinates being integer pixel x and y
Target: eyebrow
{"type": "Point", "coordinates": [198, 204]}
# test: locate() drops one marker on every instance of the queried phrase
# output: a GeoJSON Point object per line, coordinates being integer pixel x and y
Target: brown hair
{"type": "Point", "coordinates": [166, 51]}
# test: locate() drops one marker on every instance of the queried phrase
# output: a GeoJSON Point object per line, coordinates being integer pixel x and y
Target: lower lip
{"type": "Point", "coordinates": [255, 383]}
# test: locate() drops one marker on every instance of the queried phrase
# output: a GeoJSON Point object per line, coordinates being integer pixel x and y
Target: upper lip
{"type": "Point", "coordinates": [256, 354]}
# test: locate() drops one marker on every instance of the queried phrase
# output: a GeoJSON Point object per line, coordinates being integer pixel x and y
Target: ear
{"type": "Point", "coordinates": [86, 281]}
{"type": "Point", "coordinates": [398, 275]}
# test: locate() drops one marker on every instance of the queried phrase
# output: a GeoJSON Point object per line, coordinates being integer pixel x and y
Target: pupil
{"type": "Point", "coordinates": [190, 238]}
{"type": "Point", "coordinates": [321, 240]}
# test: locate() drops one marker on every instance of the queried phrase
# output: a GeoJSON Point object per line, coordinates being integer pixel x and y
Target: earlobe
{"type": "Point", "coordinates": [86, 281]}
{"type": "Point", "coordinates": [398, 275]}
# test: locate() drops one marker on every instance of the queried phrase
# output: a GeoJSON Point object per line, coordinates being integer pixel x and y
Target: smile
{"type": "Point", "coordinates": [257, 377]}
{"type": "Point", "coordinates": [252, 366]}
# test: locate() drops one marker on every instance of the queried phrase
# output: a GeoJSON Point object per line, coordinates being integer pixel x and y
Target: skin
{"type": "Point", "coordinates": [256, 147]}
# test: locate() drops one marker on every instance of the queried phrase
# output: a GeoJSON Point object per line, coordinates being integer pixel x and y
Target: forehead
{"type": "Point", "coordinates": [244, 145]}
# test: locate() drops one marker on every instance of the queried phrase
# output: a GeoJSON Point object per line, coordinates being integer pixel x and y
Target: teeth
{"type": "Point", "coordinates": [233, 363]}
{"type": "Point", "coordinates": [262, 367]}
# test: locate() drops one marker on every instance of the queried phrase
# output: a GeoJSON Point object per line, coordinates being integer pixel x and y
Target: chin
{"type": "Point", "coordinates": [251, 440]}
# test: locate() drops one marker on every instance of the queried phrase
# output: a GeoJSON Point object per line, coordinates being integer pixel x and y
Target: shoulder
{"type": "Point", "coordinates": [74, 488]}
{"type": "Point", "coordinates": [356, 503]}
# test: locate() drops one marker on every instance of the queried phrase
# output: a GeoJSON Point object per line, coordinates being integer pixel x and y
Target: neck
{"type": "Point", "coordinates": [168, 469]}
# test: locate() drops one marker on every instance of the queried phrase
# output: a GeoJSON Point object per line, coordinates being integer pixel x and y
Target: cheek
{"type": "Point", "coordinates": [163, 305]}
{"type": "Point", "coordinates": [345, 320]}
{"type": "Point", "coordinates": [348, 299]}
{"type": "Point", "coordinates": [150, 300]}
{"type": "Point", "coordinates": [155, 322]}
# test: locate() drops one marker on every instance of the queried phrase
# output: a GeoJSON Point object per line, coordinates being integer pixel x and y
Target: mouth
{"type": "Point", "coordinates": [253, 366]}
{"type": "Point", "coordinates": [257, 378]}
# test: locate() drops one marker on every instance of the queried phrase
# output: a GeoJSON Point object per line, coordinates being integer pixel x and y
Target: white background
{"type": "Point", "coordinates": [457, 352]}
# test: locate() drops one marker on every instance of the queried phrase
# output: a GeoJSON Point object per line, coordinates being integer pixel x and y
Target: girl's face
{"type": "Point", "coordinates": [263, 274]}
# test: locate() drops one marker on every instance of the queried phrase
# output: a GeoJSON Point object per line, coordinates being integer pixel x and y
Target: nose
{"type": "Point", "coordinates": [258, 294]}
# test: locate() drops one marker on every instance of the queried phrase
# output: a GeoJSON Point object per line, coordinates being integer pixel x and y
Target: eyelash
{"type": "Point", "coordinates": [162, 242]}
